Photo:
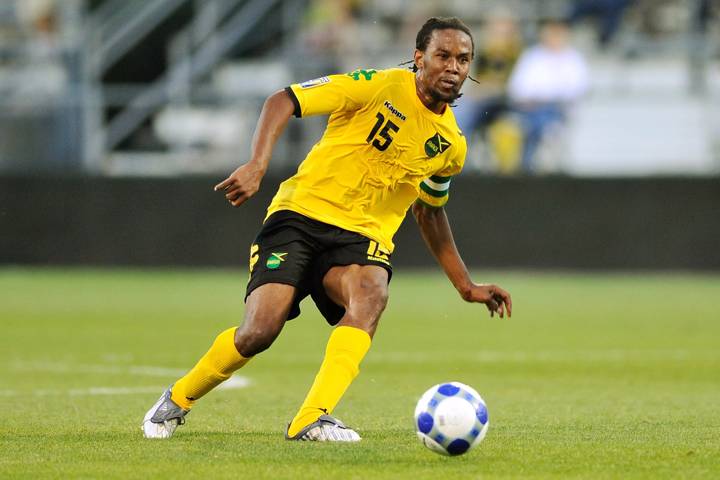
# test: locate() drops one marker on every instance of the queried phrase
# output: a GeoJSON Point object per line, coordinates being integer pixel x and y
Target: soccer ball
{"type": "Point", "coordinates": [451, 418]}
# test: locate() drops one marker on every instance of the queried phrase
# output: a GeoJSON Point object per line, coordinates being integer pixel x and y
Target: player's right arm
{"type": "Point", "coordinates": [244, 182]}
{"type": "Point", "coordinates": [324, 95]}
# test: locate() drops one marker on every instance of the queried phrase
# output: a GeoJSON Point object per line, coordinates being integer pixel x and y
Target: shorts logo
{"type": "Point", "coordinates": [275, 260]}
{"type": "Point", "coordinates": [378, 253]}
{"type": "Point", "coordinates": [435, 145]}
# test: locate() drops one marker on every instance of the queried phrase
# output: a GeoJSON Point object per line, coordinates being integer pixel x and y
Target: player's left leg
{"type": "Point", "coordinates": [363, 291]}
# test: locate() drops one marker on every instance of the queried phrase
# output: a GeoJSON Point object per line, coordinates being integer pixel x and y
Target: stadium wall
{"type": "Point", "coordinates": [660, 223]}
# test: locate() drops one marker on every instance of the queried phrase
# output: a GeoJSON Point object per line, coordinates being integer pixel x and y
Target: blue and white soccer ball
{"type": "Point", "coordinates": [451, 418]}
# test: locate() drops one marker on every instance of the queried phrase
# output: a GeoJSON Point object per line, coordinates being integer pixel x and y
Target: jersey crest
{"type": "Point", "coordinates": [435, 145]}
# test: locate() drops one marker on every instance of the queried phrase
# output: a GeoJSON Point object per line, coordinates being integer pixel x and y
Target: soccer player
{"type": "Point", "coordinates": [391, 143]}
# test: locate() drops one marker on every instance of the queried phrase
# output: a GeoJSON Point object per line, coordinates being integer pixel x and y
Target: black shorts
{"type": "Point", "coordinates": [296, 250]}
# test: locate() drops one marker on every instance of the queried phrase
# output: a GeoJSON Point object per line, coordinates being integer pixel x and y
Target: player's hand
{"type": "Point", "coordinates": [242, 184]}
{"type": "Point", "coordinates": [495, 298]}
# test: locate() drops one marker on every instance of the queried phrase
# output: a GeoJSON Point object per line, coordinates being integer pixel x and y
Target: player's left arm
{"type": "Point", "coordinates": [435, 230]}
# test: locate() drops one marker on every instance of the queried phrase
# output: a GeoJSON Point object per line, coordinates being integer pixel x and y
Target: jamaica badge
{"type": "Point", "coordinates": [435, 145]}
{"type": "Point", "coordinates": [275, 260]}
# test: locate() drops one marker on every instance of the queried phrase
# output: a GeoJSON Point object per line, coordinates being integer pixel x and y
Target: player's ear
{"type": "Point", "coordinates": [419, 55]}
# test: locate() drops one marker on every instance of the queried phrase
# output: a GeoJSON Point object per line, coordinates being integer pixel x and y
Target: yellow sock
{"type": "Point", "coordinates": [216, 366]}
{"type": "Point", "coordinates": [345, 350]}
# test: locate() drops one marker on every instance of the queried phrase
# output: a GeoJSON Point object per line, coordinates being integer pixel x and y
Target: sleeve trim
{"type": "Point", "coordinates": [432, 192]}
{"type": "Point", "coordinates": [439, 179]}
{"type": "Point", "coordinates": [427, 204]}
{"type": "Point", "coordinates": [298, 111]}
{"type": "Point", "coordinates": [431, 200]}
{"type": "Point", "coordinates": [437, 186]}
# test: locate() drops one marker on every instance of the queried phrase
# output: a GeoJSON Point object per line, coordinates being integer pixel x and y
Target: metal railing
{"type": "Point", "coordinates": [102, 38]}
{"type": "Point", "coordinates": [188, 69]}
{"type": "Point", "coordinates": [121, 25]}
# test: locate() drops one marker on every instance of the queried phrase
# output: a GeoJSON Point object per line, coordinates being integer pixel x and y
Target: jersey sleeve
{"type": "Point", "coordinates": [335, 93]}
{"type": "Point", "coordinates": [435, 191]}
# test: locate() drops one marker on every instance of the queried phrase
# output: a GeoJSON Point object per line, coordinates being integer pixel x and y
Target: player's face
{"type": "Point", "coordinates": [445, 64]}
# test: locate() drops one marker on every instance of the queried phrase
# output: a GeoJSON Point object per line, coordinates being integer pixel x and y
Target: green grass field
{"type": "Point", "coordinates": [595, 376]}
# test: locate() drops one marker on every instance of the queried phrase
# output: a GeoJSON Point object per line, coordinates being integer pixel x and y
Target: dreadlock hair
{"type": "Point", "coordinates": [438, 23]}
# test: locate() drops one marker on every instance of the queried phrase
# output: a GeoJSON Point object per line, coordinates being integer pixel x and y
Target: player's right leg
{"type": "Point", "coordinates": [279, 259]}
{"type": "Point", "coordinates": [266, 311]}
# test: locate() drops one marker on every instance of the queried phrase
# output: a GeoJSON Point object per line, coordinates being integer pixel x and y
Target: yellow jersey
{"type": "Point", "coordinates": [382, 149]}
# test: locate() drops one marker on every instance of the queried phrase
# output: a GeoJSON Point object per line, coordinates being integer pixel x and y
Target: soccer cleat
{"type": "Point", "coordinates": [326, 429]}
{"type": "Point", "coordinates": [163, 418]}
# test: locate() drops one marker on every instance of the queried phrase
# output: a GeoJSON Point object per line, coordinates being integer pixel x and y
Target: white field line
{"type": "Point", "coordinates": [600, 356]}
{"type": "Point", "coordinates": [590, 356]}
{"type": "Point", "coordinates": [233, 383]}
{"type": "Point", "coordinates": [141, 370]}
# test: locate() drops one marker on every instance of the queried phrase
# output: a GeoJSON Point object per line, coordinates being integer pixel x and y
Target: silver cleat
{"type": "Point", "coordinates": [326, 429]}
{"type": "Point", "coordinates": [163, 418]}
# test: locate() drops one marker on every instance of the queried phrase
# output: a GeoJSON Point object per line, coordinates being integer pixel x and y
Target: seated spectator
{"type": "Point", "coordinates": [547, 79]}
{"type": "Point", "coordinates": [499, 49]}
{"type": "Point", "coordinates": [607, 13]}
{"type": "Point", "coordinates": [330, 32]}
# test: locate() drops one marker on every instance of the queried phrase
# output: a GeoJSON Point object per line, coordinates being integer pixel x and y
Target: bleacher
{"type": "Point", "coordinates": [82, 102]}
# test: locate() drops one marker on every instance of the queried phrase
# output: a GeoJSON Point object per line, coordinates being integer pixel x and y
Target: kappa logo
{"type": "Point", "coordinates": [435, 145]}
{"type": "Point", "coordinates": [394, 110]}
{"type": "Point", "coordinates": [275, 260]}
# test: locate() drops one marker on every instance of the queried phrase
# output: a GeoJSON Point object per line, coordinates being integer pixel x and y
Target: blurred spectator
{"type": "Point", "coordinates": [42, 73]}
{"type": "Point", "coordinates": [704, 12]}
{"type": "Point", "coordinates": [39, 17]}
{"type": "Point", "coordinates": [498, 50]}
{"type": "Point", "coordinates": [331, 32]}
{"type": "Point", "coordinates": [698, 46]}
{"type": "Point", "coordinates": [39, 121]}
{"type": "Point", "coordinates": [547, 78]}
{"type": "Point", "coordinates": [607, 13]}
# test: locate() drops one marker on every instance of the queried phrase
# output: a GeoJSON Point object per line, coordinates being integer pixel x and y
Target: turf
{"type": "Point", "coordinates": [602, 376]}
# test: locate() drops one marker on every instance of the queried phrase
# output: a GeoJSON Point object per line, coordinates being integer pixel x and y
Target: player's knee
{"type": "Point", "coordinates": [372, 291]}
{"type": "Point", "coordinates": [251, 340]}
{"type": "Point", "coordinates": [380, 298]}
